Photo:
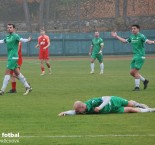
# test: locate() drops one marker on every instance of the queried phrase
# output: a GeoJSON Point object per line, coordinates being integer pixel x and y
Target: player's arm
{"type": "Point", "coordinates": [70, 112]}
{"type": "Point", "coordinates": [2, 41]}
{"type": "Point", "coordinates": [91, 49]}
{"type": "Point", "coordinates": [105, 100]}
{"type": "Point", "coordinates": [101, 47]}
{"type": "Point", "coordinates": [114, 34]}
{"type": "Point", "coordinates": [150, 41]}
{"type": "Point", "coordinates": [37, 46]}
{"type": "Point", "coordinates": [25, 40]}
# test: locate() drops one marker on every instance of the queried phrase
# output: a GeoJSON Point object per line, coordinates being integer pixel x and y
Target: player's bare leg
{"type": "Point", "coordinates": [92, 65]}
{"type": "Point", "coordinates": [48, 65]}
{"type": "Point", "coordinates": [42, 67]}
{"type": "Point", "coordinates": [135, 73]}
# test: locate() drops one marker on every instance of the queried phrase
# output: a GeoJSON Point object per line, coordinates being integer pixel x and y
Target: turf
{"type": "Point", "coordinates": [35, 116]}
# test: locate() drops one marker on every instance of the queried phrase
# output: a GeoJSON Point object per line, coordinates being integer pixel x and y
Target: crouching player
{"type": "Point", "coordinates": [107, 105]}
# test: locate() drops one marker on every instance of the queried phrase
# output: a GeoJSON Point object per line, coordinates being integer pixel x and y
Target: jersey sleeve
{"type": "Point", "coordinates": [143, 38]}
{"type": "Point", "coordinates": [101, 42]}
{"type": "Point", "coordinates": [48, 39]}
{"type": "Point", "coordinates": [128, 39]}
{"type": "Point", "coordinates": [18, 37]}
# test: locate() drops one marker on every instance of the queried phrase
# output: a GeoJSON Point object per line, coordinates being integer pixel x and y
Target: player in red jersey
{"type": "Point", "coordinates": [43, 44]}
{"type": "Point", "coordinates": [13, 77]}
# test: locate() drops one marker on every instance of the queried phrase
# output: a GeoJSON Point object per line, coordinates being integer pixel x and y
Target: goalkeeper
{"type": "Point", "coordinates": [106, 105]}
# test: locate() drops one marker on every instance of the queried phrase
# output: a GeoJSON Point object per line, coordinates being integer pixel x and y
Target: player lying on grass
{"type": "Point", "coordinates": [107, 104]}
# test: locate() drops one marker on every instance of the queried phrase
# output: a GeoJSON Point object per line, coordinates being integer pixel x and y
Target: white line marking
{"type": "Point", "coordinates": [91, 136]}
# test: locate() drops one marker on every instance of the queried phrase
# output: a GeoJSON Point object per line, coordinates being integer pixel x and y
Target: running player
{"type": "Point", "coordinates": [137, 41]}
{"type": "Point", "coordinates": [96, 52]}
{"type": "Point", "coordinates": [12, 40]}
{"type": "Point", "coordinates": [13, 76]}
{"type": "Point", "coordinates": [43, 44]}
{"type": "Point", "coordinates": [107, 105]}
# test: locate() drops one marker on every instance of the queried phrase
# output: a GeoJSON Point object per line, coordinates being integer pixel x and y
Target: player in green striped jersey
{"type": "Point", "coordinates": [12, 40]}
{"type": "Point", "coordinates": [107, 105]}
{"type": "Point", "coordinates": [96, 52]}
{"type": "Point", "coordinates": [137, 41]}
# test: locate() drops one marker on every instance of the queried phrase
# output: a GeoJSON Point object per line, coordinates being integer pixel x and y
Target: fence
{"type": "Point", "coordinates": [67, 44]}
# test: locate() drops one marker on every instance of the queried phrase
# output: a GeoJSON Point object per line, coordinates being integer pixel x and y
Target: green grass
{"type": "Point", "coordinates": [36, 114]}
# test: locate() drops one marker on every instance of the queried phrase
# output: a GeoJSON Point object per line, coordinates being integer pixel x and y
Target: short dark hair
{"type": "Point", "coordinates": [135, 25]}
{"type": "Point", "coordinates": [13, 25]}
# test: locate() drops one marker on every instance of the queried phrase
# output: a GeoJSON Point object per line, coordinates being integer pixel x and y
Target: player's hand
{"type": "Point", "coordinates": [97, 109]}
{"type": "Point", "coordinates": [89, 53]}
{"type": "Point", "coordinates": [30, 38]}
{"type": "Point", "coordinates": [61, 114]}
{"type": "Point", "coordinates": [114, 34]}
{"type": "Point", "coordinates": [100, 52]}
{"type": "Point", "coordinates": [44, 48]}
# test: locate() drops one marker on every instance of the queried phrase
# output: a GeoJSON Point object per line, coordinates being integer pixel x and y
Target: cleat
{"type": "Point", "coordinates": [43, 73]}
{"type": "Point", "coordinates": [136, 89]}
{"type": "Point", "coordinates": [101, 72]}
{"type": "Point", "coordinates": [145, 84]}
{"type": "Point", "coordinates": [1, 92]}
{"type": "Point", "coordinates": [92, 72]}
{"type": "Point", "coordinates": [152, 109]}
{"type": "Point", "coordinates": [12, 91]}
{"type": "Point", "coordinates": [28, 90]}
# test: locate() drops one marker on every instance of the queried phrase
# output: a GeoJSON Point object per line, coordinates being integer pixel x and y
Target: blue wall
{"type": "Point", "coordinates": [79, 44]}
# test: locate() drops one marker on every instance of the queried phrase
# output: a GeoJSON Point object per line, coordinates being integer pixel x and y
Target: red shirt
{"type": "Point", "coordinates": [43, 41]}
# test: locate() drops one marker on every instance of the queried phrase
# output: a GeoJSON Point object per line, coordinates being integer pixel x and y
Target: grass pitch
{"type": "Point", "coordinates": [35, 116]}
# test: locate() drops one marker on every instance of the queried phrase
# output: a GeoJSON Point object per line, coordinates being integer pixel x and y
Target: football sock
{"type": "Point", "coordinates": [144, 110]}
{"type": "Point", "coordinates": [23, 80]}
{"type": "Point", "coordinates": [42, 69]}
{"type": "Point", "coordinates": [92, 65]}
{"type": "Point", "coordinates": [13, 85]}
{"type": "Point", "coordinates": [142, 78]}
{"type": "Point", "coordinates": [137, 82]}
{"type": "Point", "coordinates": [102, 66]}
{"type": "Point", "coordinates": [5, 82]}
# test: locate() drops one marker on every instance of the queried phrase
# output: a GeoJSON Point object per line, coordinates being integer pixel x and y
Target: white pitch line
{"type": "Point", "coordinates": [91, 136]}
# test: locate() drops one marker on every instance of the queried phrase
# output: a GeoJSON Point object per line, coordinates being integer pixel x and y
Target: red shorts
{"type": "Point", "coordinates": [43, 55]}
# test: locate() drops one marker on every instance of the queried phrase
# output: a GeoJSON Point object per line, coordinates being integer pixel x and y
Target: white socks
{"type": "Point", "coordinates": [141, 78]}
{"type": "Point", "coordinates": [144, 110]}
{"type": "Point", "coordinates": [5, 82]}
{"type": "Point", "coordinates": [137, 82]}
{"type": "Point", "coordinates": [102, 67]}
{"type": "Point", "coordinates": [92, 65]}
{"type": "Point", "coordinates": [23, 80]}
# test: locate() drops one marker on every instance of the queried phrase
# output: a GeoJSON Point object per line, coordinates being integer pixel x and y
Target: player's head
{"type": "Point", "coordinates": [42, 31]}
{"type": "Point", "coordinates": [79, 107]}
{"type": "Point", "coordinates": [10, 28]}
{"type": "Point", "coordinates": [97, 34]}
{"type": "Point", "coordinates": [135, 29]}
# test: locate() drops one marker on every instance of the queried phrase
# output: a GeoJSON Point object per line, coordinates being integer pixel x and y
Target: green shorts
{"type": "Point", "coordinates": [98, 56]}
{"type": "Point", "coordinates": [137, 62]}
{"type": "Point", "coordinates": [12, 64]}
{"type": "Point", "coordinates": [118, 104]}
